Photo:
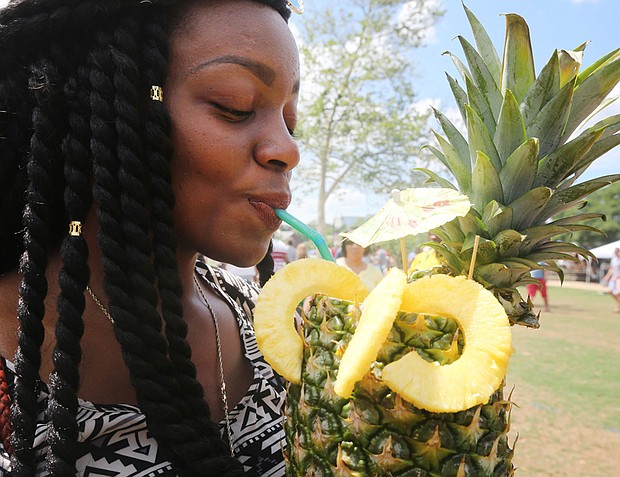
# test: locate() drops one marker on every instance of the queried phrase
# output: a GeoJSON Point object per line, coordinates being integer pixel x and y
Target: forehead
{"type": "Point", "coordinates": [205, 31]}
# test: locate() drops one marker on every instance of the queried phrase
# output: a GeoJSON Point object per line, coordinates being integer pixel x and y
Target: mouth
{"type": "Point", "coordinates": [264, 205]}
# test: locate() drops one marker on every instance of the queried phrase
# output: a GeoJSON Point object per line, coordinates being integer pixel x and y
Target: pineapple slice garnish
{"type": "Point", "coordinates": [378, 314]}
{"type": "Point", "coordinates": [274, 322]}
{"type": "Point", "coordinates": [474, 377]}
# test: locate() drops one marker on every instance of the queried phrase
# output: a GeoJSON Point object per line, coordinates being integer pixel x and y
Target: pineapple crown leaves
{"type": "Point", "coordinates": [523, 153]}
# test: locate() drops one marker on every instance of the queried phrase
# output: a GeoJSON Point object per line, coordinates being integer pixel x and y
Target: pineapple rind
{"type": "Point", "coordinates": [378, 432]}
{"type": "Point", "coordinates": [378, 315]}
{"type": "Point", "coordinates": [274, 323]}
{"type": "Point", "coordinates": [480, 370]}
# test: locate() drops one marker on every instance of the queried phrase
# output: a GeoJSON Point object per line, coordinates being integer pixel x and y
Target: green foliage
{"type": "Point", "coordinates": [607, 202]}
{"type": "Point", "coordinates": [359, 124]}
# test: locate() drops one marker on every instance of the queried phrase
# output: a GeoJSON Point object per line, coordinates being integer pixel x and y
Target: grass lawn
{"type": "Point", "coordinates": [565, 382]}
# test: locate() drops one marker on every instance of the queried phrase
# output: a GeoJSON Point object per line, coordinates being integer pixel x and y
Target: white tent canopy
{"type": "Point", "coordinates": [605, 251]}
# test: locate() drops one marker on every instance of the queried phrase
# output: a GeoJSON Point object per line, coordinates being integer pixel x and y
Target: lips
{"type": "Point", "coordinates": [265, 204]}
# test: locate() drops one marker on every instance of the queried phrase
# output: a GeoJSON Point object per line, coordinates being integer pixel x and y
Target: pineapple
{"type": "Point", "coordinates": [519, 166]}
{"type": "Point", "coordinates": [296, 281]}
{"type": "Point", "coordinates": [522, 157]}
{"type": "Point", "coordinates": [375, 322]}
{"type": "Point", "coordinates": [481, 367]}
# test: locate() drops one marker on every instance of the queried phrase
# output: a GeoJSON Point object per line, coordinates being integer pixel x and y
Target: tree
{"type": "Point", "coordinates": [605, 201]}
{"type": "Point", "coordinates": [360, 124]}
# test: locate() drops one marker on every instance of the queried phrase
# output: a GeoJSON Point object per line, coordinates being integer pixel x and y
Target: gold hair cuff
{"type": "Point", "coordinates": [75, 228]}
{"type": "Point", "coordinates": [299, 8]}
{"type": "Point", "coordinates": [157, 93]}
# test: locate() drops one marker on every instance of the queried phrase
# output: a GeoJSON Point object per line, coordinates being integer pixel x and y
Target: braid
{"type": "Point", "coordinates": [15, 123]}
{"type": "Point", "coordinates": [33, 289]}
{"type": "Point", "coordinates": [207, 451]}
{"type": "Point", "coordinates": [158, 152]}
{"type": "Point", "coordinates": [150, 369]}
{"type": "Point", "coordinates": [129, 329]}
{"type": "Point", "coordinates": [265, 267]}
{"type": "Point", "coordinates": [73, 278]}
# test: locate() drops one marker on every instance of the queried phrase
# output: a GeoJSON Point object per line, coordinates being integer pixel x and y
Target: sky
{"type": "Point", "coordinates": [553, 24]}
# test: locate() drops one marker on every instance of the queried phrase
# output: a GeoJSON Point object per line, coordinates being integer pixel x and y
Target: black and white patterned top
{"type": "Point", "coordinates": [115, 439]}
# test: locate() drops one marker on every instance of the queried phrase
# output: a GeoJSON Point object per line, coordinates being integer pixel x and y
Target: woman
{"type": "Point", "coordinates": [133, 136]}
{"type": "Point", "coordinates": [352, 257]}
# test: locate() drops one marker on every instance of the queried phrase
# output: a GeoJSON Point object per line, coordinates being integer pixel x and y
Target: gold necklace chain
{"type": "Point", "coordinates": [218, 343]}
{"type": "Point", "coordinates": [99, 304]}
{"type": "Point", "coordinates": [220, 363]}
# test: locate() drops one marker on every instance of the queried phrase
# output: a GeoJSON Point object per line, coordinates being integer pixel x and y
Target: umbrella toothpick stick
{"type": "Point", "coordinates": [473, 257]}
{"type": "Point", "coordinates": [403, 253]}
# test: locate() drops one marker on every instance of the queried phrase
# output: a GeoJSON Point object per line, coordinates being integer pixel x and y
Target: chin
{"type": "Point", "coordinates": [249, 256]}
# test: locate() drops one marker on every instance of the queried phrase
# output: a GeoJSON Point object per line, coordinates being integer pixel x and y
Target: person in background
{"type": "Point", "coordinates": [292, 250]}
{"type": "Point", "coordinates": [279, 253]}
{"type": "Point", "coordinates": [612, 277]}
{"type": "Point", "coordinates": [135, 136]}
{"type": "Point", "coordinates": [301, 251]}
{"type": "Point", "coordinates": [353, 258]}
{"type": "Point", "coordinates": [382, 259]}
{"type": "Point", "coordinates": [533, 288]}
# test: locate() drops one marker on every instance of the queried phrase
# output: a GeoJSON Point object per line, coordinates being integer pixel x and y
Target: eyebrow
{"type": "Point", "coordinates": [263, 72]}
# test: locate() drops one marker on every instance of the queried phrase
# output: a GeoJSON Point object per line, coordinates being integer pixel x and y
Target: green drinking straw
{"type": "Point", "coordinates": [312, 234]}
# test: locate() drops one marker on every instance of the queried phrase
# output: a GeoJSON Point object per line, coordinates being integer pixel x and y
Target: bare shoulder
{"type": "Point", "coordinates": [9, 286]}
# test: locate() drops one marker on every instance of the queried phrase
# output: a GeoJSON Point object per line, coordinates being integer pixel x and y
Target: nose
{"type": "Point", "coordinates": [276, 147]}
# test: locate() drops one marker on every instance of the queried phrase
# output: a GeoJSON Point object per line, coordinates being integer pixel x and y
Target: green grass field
{"type": "Point", "coordinates": [565, 383]}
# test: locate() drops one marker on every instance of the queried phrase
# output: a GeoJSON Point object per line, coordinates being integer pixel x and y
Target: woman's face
{"type": "Point", "coordinates": [354, 251]}
{"type": "Point", "coordinates": [232, 87]}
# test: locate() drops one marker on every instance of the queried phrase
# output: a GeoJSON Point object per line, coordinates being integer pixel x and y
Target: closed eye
{"type": "Point", "coordinates": [234, 114]}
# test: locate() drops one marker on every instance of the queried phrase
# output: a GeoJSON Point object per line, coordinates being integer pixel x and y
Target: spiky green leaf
{"type": "Point", "coordinates": [471, 224]}
{"type": "Point", "coordinates": [523, 262]}
{"type": "Point", "coordinates": [564, 247]}
{"type": "Point", "coordinates": [526, 208]}
{"type": "Point", "coordinates": [484, 45]}
{"type": "Point", "coordinates": [480, 139]}
{"type": "Point", "coordinates": [549, 123]}
{"type": "Point", "coordinates": [434, 177]}
{"type": "Point", "coordinates": [570, 62]}
{"type": "Point", "coordinates": [510, 131]}
{"type": "Point", "coordinates": [479, 104]}
{"type": "Point", "coordinates": [591, 92]}
{"type": "Point", "coordinates": [565, 160]}
{"type": "Point", "coordinates": [498, 274]}
{"type": "Point", "coordinates": [600, 147]}
{"type": "Point", "coordinates": [456, 164]}
{"type": "Point", "coordinates": [518, 72]}
{"type": "Point", "coordinates": [508, 242]}
{"type": "Point", "coordinates": [573, 219]}
{"type": "Point", "coordinates": [458, 142]}
{"type": "Point", "coordinates": [482, 77]}
{"type": "Point", "coordinates": [568, 198]}
{"type": "Point", "coordinates": [501, 220]}
{"type": "Point", "coordinates": [486, 183]}
{"type": "Point", "coordinates": [460, 96]}
{"type": "Point", "coordinates": [546, 86]}
{"type": "Point", "coordinates": [519, 172]}
{"type": "Point", "coordinates": [453, 261]}
{"type": "Point", "coordinates": [603, 60]}
{"type": "Point", "coordinates": [460, 66]}
{"type": "Point", "coordinates": [453, 231]}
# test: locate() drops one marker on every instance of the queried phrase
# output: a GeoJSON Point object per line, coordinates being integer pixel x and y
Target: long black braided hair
{"type": "Point", "coordinates": [77, 128]}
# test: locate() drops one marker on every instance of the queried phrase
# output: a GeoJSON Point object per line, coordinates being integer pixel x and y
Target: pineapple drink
{"type": "Point", "coordinates": [419, 392]}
